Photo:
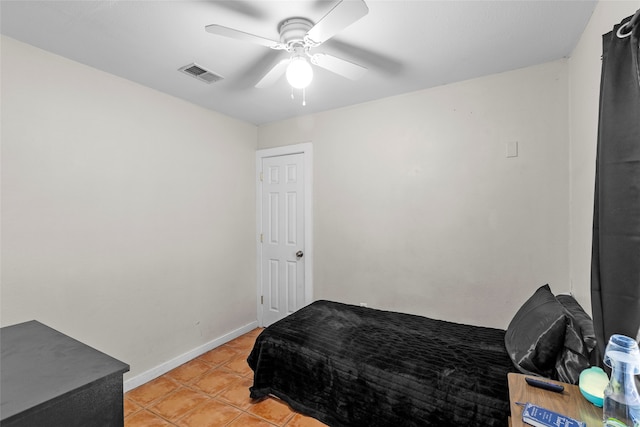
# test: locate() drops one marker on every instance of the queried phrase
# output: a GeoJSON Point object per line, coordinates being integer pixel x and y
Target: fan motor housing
{"type": "Point", "coordinates": [293, 30]}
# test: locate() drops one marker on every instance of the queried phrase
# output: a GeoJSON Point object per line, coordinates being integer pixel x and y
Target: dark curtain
{"type": "Point", "coordinates": [615, 264]}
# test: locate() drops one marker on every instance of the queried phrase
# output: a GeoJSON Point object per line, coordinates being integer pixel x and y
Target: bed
{"type": "Point", "coordinates": [355, 366]}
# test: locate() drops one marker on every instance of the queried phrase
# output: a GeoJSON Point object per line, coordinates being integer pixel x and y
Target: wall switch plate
{"type": "Point", "coordinates": [512, 149]}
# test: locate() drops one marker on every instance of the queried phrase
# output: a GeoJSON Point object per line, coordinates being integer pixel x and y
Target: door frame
{"type": "Point", "coordinates": [305, 148]}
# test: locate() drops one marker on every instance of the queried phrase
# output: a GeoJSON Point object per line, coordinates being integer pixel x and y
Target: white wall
{"type": "Point", "coordinates": [584, 76]}
{"type": "Point", "coordinates": [417, 208]}
{"type": "Point", "coordinates": [127, 214]}
{"type": "Point", "coordinates": [118, 227]}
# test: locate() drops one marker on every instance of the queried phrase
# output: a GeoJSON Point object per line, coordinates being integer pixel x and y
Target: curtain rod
{"type": "Point", "coordinates": [635, 19]}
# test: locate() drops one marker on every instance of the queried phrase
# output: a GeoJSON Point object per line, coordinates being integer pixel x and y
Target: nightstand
{"type": "Point", "coordinates": [570, 402]}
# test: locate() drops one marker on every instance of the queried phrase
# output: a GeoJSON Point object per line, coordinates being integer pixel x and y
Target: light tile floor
{"type": "Point", "coordinates": [210, 391]}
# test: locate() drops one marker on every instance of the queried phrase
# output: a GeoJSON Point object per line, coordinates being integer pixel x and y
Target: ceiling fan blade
{"type": "Point", "coordinates": [241, 35]}
{"type": "Point", "coordinates": [366, 57]}
{"type": "Point", "coordinates": [345, 13]}
{"type": "Point", "coordinates": [273, 74]}
{"type": "Point", "coordinates": [241, 6]}
{"type": "Point", "coordinates": [339, 66]}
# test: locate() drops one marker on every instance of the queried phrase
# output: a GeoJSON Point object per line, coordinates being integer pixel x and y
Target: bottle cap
{"type": "Point", "coordinates": [623, 349]}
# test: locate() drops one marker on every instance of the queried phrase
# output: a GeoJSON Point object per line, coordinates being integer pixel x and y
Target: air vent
{"type": "Point", "coordinates": [197, 72]}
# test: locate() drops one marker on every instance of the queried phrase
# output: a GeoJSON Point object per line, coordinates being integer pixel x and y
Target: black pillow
{"type": "Point", "coordinates": [581, 319]}
{"type": "Point", "coordinates": [580, 345]}
{"type": "Point", "coordinates": [535, 336]}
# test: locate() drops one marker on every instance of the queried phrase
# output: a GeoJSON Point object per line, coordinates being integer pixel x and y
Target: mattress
{"type": "Point", "coordinates": [355, 366]}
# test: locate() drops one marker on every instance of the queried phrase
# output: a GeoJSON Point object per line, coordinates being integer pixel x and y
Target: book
{"type": "Point", "coordinates": [541, 417]}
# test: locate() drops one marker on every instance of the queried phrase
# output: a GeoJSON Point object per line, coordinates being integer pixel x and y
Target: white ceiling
{"type": "Point", "coordinates": [406, 45]}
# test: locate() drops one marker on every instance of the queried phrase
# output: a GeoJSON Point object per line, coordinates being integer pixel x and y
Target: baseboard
{"type": "Point", "coordinates": [165, 367]}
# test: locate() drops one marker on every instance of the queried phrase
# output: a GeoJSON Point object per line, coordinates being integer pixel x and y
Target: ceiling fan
{"type": "Point", "coordinates": [299, 35]}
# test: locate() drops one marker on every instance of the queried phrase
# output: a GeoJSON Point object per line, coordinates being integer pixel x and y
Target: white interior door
{"type": "Point", "coordinates": [282, 264]}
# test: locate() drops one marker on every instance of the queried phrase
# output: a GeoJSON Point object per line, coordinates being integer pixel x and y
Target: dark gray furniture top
{"type": "Point", "coordinates": [39, 364]}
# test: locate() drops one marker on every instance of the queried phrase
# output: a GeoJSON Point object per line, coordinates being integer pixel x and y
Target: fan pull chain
{"type": "Point", "coordinates": [304, 96]}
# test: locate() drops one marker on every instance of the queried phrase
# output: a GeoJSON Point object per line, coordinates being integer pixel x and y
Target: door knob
{"type": "Point", "coordinates": [299, 254]}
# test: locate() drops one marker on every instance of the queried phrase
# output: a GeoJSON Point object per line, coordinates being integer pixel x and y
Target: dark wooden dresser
{"type": "Point", "coordinates": [50, 379]}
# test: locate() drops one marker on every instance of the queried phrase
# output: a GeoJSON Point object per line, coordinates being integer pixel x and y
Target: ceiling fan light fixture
{"type": "Point", "coordinates": [299, 72]}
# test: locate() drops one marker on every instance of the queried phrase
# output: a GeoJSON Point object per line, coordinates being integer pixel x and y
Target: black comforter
{"type": "Point", "coordinates": [354, 366]}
